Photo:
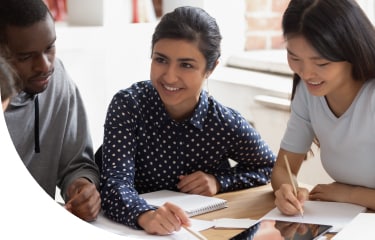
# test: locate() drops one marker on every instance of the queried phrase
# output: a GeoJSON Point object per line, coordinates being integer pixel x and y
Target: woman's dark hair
{"type": "Point", "coordinates": [337, 29]}
{"type": "Point", "coordinates": [7, 80]}
{"type": "Point", "coordinates": [195, 25]}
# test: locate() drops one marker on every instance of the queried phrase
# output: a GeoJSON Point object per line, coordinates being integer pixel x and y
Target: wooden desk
{"type": "Point", "coordinates": [251, 203]}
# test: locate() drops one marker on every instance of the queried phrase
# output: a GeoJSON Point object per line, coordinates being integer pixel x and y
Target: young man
{"type": "Point", "coordinates": [46, 119]}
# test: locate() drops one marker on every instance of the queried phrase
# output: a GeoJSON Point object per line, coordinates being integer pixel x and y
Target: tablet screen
{"type": "Point", "coordinates": [282, 230]}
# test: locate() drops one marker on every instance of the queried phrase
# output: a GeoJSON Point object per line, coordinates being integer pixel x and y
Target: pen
{"type": "Point", "coordinates": [195, 233]}
{"type": "Point", "coordinates": [292, 180]}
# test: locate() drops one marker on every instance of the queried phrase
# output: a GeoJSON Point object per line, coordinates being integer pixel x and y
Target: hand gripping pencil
{"type": "Point", "coordinates": [292, 180]}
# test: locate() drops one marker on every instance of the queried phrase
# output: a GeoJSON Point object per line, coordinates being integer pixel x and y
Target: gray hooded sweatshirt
{"type": "Point", "coordinates": [51, 134]}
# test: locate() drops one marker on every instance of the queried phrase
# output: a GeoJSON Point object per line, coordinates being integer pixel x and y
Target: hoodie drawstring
{"type": "Point", "coordinates": [36, 125]}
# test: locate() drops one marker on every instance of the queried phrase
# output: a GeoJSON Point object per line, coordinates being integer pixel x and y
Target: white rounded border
{"type": "Point", "coordinates": [28, 211]}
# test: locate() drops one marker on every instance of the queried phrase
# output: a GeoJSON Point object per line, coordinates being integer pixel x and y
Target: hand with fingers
{"type": "Point", "coordinates": [83, 199]}
{"type": "Point", "coordinates": [199, 183]}
{"type": "Point", "coordinates": [287, 202]}
{"type": "Point", "coordinates": [164, 220]}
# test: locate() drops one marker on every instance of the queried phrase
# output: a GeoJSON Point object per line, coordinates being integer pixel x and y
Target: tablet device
{"type": "Point", "coordinates": [282, 230]}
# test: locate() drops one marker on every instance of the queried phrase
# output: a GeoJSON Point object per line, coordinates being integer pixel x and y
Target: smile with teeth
{"type": "Point", "coordinates": [170, 88]}
{"type": "Point", "coordinates": [314, 83]}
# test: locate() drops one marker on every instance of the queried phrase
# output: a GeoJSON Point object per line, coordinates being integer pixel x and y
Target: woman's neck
{"type": "Point", "coordinates": [340, 101]}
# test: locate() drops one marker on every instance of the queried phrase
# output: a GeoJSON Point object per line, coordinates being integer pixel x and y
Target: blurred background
{"type": "Point", "coordinates": [106, 46]}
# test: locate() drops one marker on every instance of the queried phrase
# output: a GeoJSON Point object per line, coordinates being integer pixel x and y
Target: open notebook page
{"type": "Point", "coordinates": [193, 204]}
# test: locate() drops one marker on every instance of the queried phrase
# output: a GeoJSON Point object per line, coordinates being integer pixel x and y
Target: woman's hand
{"type": "Point", "coordinates": [164, 220]}
{"type": "Point", "coordinates": [199, 183]}
{"type": "Point", "coordinates": [334, 192]}
{"type": "Point", "coordinates": [340, 192]}
{"type": "Point", "coordinates": [287, 202]}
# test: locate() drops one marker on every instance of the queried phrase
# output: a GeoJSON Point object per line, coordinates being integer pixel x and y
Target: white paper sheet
{"type": "Point", "coordinates": [361, 227]}
{"type": "Point", "coordinates": [120, 229]}
{"type": "Point", "coordinates": [234, 223]}
{"type": "Point", "coordinates": [330, 213]}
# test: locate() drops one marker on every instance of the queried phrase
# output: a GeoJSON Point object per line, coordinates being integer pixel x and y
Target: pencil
{"type": "Point", "coordinates": [195, 233]}
{"type": "Point", "coordinates": [292, 180]}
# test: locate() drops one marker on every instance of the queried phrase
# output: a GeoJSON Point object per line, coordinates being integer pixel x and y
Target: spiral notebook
{"type": "Point", "coordinates": [193, 204]}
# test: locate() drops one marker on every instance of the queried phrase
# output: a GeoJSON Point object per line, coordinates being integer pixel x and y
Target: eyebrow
{"type": "Point", "coordinates": [179, 59]}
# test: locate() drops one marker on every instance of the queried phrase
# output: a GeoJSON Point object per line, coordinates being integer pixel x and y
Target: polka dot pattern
{"type": "Point", "coordinates": [144, 150]}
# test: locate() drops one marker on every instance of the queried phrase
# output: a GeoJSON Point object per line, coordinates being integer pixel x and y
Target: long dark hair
{"type": "Point", "coordinates": [339, 30]}
{"type": "Point", "coordinates": [8, 85]}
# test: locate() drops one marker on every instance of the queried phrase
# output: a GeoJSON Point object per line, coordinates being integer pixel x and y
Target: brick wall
{"type": "Point", "coordinates": [264, 24]}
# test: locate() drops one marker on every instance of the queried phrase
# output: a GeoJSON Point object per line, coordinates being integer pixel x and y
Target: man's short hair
{"type": "Point", "coordinates": [21, 13]}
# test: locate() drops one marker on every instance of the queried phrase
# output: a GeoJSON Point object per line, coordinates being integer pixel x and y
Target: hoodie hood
{"type": "Point", "coordinates": [22, 99]}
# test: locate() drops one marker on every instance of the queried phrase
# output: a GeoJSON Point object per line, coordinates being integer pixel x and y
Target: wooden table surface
{"type": "Point", "coordinates": [251, 203]}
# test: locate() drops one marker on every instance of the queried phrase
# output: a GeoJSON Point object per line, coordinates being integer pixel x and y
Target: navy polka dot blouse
{"type": "Point", "coordinates": [144, 150]}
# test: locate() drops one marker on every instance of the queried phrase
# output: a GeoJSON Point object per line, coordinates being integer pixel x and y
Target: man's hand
{"type": "Point", "coordinates": [84, 199]}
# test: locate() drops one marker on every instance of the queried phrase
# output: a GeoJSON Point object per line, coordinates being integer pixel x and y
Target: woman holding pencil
{"type": "Point", "coordinates": [331, 50]}
{"type": "Point", "coordinates": [169, 133]}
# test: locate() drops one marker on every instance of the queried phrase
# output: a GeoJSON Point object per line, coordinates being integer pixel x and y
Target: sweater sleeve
{"type": "Point", "coordinates": [77, 158]}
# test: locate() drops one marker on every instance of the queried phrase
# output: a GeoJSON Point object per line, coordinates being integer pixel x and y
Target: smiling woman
{"type": "Point", "coordinates": [332, 98]}
{"type": "Point", "coordinates": [169, 133]}
{"type": "Point", "coordinates": [178, 59]}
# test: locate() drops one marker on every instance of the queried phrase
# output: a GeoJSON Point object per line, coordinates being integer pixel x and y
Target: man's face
{"type": "Point", "coordinates": [32, 52]}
